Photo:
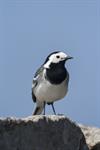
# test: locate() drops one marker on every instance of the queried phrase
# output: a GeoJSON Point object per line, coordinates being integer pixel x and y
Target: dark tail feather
{"type": "Point", "coordinates": [38, 110]}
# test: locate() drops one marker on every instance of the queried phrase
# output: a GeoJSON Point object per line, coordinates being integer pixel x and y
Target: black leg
{"type": "Point", "coordinates": [53, 108]}
{"type": "Point", "coordinates": [44, 109]}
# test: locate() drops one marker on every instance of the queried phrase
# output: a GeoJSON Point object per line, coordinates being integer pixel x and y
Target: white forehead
{"type": "Point", "coordinates": [61, 54]}
{"type": "Point", "coordinates": [54, 59]}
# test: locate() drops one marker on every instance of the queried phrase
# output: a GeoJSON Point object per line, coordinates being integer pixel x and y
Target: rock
{"type": "Point", "coordinates": [41, 133]}
{"type": "Point", "coordinates": [96, 146]}
{"type": "Point", "coordinates": [92, 135]}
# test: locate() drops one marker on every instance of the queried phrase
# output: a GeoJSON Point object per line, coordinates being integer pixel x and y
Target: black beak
{"type": "Point", "coordinates": [69, 57]}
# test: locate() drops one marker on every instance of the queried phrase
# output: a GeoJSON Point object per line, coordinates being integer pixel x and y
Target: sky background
{"type": "Point", "coordinates": [29, 31]}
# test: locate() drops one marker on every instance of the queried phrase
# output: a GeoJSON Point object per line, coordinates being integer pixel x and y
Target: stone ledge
{"type": "Point", "coordinates": [41, 133]}
{"type": "Point", "coordinates": [92, 136]}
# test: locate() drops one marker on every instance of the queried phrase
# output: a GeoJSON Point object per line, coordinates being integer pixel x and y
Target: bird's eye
{"type": "Point", "coordinates": [57, 56]}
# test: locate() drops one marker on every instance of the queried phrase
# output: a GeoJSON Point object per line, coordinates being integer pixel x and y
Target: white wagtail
{"type": "Point", "coordinates": [50, 82]}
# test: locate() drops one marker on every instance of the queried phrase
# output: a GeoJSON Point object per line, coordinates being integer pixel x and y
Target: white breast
{"type": "Point", "coordinates": [45, 91]}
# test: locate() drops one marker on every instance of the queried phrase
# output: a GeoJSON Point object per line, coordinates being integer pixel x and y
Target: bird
{"type": "Point", "coordinates": [50, 82]}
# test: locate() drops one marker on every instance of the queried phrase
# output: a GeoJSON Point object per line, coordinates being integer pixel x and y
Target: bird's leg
{"type": "Point", "coordinates": [53, 108]}
{"type": "Point", "coordinates": [44, 109]}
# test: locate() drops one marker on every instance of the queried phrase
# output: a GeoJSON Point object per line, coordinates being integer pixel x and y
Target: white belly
{"type": "Point", "coordinates": [49, 93]}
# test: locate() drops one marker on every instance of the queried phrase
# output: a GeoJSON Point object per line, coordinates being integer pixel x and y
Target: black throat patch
{"type": "Point", "coordinates": [56, 73]}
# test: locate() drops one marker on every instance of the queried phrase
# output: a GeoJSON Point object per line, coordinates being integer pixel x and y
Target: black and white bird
{"type": "Point", "coordinates": [50, 82]}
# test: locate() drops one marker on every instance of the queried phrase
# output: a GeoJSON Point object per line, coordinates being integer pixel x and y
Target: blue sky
{"type": "Point", "coordinates": [29, 31]}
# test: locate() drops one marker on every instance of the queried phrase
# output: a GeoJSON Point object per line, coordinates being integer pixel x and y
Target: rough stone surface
{"type": "Point", "coordinates": [92, 135]}
{"type": "Point", "coordinates": [41, 133]}
{"type": "Point", "coordinates": [96, 146]}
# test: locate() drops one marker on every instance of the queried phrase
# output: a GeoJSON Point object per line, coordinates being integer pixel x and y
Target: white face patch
{"type": "Point", "coordinates": [55, 58]}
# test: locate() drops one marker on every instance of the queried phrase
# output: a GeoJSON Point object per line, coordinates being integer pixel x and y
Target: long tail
{"type": "Point", "coordinates": [39, 108]}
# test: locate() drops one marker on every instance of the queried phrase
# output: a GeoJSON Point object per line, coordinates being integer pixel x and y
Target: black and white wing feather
{"type": "Point", "coordinates": [35, 81]}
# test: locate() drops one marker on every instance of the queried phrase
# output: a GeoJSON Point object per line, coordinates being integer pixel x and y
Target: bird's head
{"type": "Point", "coordinates": [56, 57]}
